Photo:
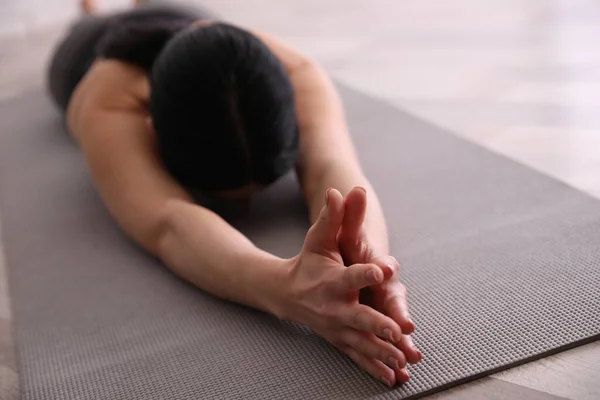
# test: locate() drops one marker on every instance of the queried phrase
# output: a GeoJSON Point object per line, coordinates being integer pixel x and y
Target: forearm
{"type": "Point", "coordinates": [328, 157]}
{"type": "Point", "coordinates": [344, 177]}
{"type": "Point", "coordinates": [205, 250]}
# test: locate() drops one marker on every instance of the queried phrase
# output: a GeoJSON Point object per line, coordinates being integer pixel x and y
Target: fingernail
{"type": "Point", "coordinates": [362, 188]}
{"type": "Point", "coordinates": [391, 267]}
{"type": "Point", "coordinates": [327, 197]}
{"type": "Point", "coordinates": [385, 380]}
{"type": "Point", "coordinates": [405, 375]}
{"type": "Point", "coordinates": [372, 276]}
{"type": "Point", "coordinates": [420, 355]}
{"type": "Point", "coordinates": [388, 334]}
{"type": "Point", "coordinates": [392, 362]}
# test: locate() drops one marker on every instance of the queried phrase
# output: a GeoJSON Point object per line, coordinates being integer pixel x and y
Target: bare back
{"type": "Point", "coordinates": [108, 117]}
{"type": "Point", "coordinates": [108, 85]}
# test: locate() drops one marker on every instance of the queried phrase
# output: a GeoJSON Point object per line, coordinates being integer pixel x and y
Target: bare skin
{"type": "Point", "coordinates": [89, 7]}
{"type": "Point", "coordinates": [361, 308]}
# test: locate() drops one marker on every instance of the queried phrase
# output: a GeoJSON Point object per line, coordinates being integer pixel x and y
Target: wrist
{"type": "Point", "coordinates": [280, 293]}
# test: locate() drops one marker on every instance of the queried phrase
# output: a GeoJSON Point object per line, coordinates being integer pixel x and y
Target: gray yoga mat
{"type": "Point", "coordinates": [502, 265]}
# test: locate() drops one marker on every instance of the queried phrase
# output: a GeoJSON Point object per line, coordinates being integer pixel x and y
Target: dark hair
{"type": "Point", "coordinates": [137, 36]}
{"type": "Point", "coordinates": [223, 109]}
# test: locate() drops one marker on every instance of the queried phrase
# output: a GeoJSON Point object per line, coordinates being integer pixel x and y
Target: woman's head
{"type": "Point", "coordinates": [223, 110]}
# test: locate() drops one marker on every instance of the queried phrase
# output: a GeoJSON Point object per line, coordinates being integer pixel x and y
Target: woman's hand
{"type": "Point", "coordinates": [389, 296]}
{"type": "Point", "coordinates": [324, 295]}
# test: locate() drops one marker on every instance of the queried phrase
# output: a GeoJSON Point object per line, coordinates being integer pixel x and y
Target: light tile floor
{"type": "Point", "coordinates": [520, 77]}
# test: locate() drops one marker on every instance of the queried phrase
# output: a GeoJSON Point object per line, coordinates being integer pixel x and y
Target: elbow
{"type": "Point", "coordinates": [166, 229]}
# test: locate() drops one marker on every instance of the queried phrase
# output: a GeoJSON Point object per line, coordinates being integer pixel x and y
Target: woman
{"type": "Point", "coordinates": [177, 115]}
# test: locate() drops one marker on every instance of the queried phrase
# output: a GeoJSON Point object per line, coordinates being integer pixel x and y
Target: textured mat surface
{"type": "Point", "coordinates": [502, 265]}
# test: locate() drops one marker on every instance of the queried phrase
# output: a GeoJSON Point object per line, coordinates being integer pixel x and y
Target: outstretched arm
{"type": "Point", "coordinates": [313, 288]}
{"type": "Point", "coordinates": [151, 206]}
{"type": "Point", "coordinates": [328, 159]}
{"type": "Point", "coordinates": [327, 154]}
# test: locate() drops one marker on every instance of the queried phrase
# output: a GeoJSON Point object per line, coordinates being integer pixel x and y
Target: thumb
{"type": "Point", "coordinates": [354, 216]}
{"type": "Point", "coordinates": [322, 236]}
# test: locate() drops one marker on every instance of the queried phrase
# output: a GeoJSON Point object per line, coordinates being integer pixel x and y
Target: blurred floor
{"type": "Point", "coordinates": [519, 77]}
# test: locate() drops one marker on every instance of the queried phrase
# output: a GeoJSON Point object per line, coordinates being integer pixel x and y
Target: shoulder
{"type": "Point", "coordinates": [109, 85]}
{"type": "Point", "coordinates": [113, 82]}
{"type": "Point", "coordinates": [291, 58]}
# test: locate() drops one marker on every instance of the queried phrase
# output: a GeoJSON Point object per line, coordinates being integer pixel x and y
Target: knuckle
{"type": "Point", "coordinates": [400, 292]}
{"type": "Point", "coordinates": [331, 315]}
{"type": "Point", "coordinates": [397, 301]}
{"type": "Point", "coordinates": [401, 359]}
{"type": "Point", "coordinates": [344, 338]}
{"type": "Point", "coordinates": [331, 284]}
{"type": "Point", "coordinates": [328, 312]}
{"type": "Point", "coordinates": [362, 245]}
{"type": "Point", "coordinates": [353, 340]}
{"type": "Point", "coordinates": [383, 354]}
{"type": "Point", "coordinates": [355, 319]}
{"type": "Point", "coordinates": [338, 343]}
{"type": "Point", "coordinates": [379, 327]}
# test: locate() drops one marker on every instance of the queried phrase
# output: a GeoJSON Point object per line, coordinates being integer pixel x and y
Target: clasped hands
{"type": "Point", "coordinates": [349, 295]}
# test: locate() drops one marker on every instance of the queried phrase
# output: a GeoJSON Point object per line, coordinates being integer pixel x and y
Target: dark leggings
{"type": "Point", "coordinates": [73, 57]}
{"type": "Point", "coordinates": [77, 50]}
